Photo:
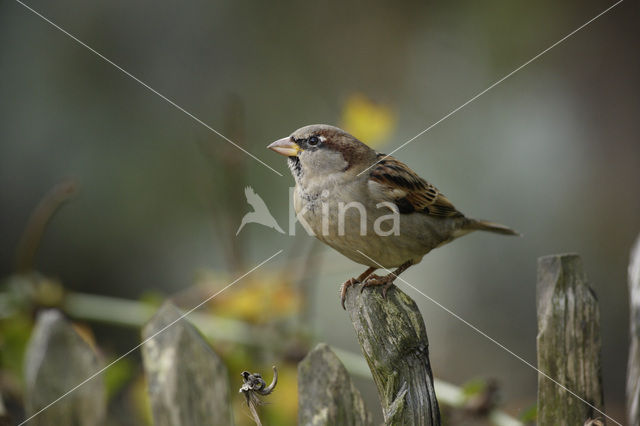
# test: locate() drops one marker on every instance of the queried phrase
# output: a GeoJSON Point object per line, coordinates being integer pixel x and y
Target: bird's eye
{"type": "Point", "coordinates": [313, 140]}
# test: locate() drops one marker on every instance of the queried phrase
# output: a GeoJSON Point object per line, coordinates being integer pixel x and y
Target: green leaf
{"type": "Point", "coordinates": [529, 414]}
{"type": "Point", "coordinates": [117, 376]}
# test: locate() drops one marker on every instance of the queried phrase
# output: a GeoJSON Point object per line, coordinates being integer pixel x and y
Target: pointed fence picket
{"type": "Point", "coordinates": [188, 384]}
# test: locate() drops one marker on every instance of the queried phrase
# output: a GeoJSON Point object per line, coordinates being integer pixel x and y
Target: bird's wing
{"type": "Point", "coordinates": [396, 182]}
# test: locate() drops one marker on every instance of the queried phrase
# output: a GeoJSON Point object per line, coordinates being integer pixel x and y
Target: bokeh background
{"type": "Point", "coordinates": [553, 151]}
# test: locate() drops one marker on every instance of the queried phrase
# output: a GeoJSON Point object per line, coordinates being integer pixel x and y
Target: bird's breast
{"type": "Point", "coordinates": [365, 231]}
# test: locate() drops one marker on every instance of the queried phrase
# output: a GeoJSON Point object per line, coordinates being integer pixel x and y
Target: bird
{"type": "Point", "coordinates": [260, 213]}
{"type": "Point", "coordinates": [346, 191]}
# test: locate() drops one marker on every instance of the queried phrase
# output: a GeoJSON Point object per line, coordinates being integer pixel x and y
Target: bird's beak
{"type": "Point", "coordinates": [285, 147]}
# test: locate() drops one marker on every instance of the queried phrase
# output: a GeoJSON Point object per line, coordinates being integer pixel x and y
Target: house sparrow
{"type": "Point", "coordinates": [345, 192]}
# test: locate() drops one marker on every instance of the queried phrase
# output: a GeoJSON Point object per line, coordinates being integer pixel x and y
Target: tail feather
{"type": "Point", "coordinates": [485, 225]}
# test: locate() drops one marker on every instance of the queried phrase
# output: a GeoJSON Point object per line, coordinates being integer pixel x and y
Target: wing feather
{"type": "Point", "coordinates": [409, 191]}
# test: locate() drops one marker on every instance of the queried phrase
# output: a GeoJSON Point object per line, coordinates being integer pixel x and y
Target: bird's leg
{"type": "Point", "coordinates": [352, 281]}
{"type": "Point", "coordinates": [385, 280]}
{"type": "Point", "coordinates": [365, 274]}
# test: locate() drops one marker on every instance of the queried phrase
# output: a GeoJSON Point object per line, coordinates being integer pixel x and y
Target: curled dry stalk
{"type": "Point", "coordinates": [37, 223]}
{"type": "Point", "coordinates": [253, 387]}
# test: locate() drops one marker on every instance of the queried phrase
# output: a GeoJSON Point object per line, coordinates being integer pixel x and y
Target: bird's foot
{"type": "Point", "coordinates": [343, 290]}
{"type": "Point", "coordinates": [377, 280]}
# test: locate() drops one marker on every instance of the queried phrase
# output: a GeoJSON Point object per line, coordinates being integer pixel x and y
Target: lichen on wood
{"type": "Point", "coordinates": [568, 342]}
{"type": "Point", "coordinates": [393, 338]}
{"type": "Point", "coordinates": [57, 360]}
{"type": "Point", "coordinates": [187, 382]}
{"type": "Point", "coordinates": [633, 373]}
{"type": "Point", "coordinates": [326, 394]}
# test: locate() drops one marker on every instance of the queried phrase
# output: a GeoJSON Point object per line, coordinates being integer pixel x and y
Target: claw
{"type": "Point", "coordinates": [386, 288]}
{"type": "Point", "coordinates": [376, 280]}
{"type": "Point", "coordinates": [372, 280]}
{"type": "Point", "coordinates": [343, 290]}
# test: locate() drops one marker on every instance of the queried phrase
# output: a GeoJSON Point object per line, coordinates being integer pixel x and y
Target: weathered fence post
{"type": "Point", "coordinates": [57, 360]}
{"type": "Point", "coordinates": [187, 382]}
{"type": "Point", "coordinates": [633, 369]}
{"type": "Point", "coordinates": [394, 342]}
{"type": "Point", "coordinates": [568, 342]}
{"type": "Point", "coordinates": [326, 394]}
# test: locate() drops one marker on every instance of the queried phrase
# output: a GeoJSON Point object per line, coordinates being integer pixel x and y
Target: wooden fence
{"type": "Point", "coordinates": [189, 385]}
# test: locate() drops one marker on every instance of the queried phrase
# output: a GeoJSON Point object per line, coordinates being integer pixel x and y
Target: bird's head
{"type": "Point", "coordinates": [320, 150]}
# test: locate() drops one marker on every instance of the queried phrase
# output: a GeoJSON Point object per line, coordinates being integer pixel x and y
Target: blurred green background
{"type": "Point", "coordinates": [553, 152]}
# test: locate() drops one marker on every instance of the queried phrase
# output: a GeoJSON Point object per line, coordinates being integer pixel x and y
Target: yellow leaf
{"type": "Point", "coordinates": [266, 297]}
{"type": "Point", "coordinates": [367, 120]}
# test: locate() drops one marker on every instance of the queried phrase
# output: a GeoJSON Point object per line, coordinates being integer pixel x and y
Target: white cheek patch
{"type": "Point", "coordinates": [325, 162]}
